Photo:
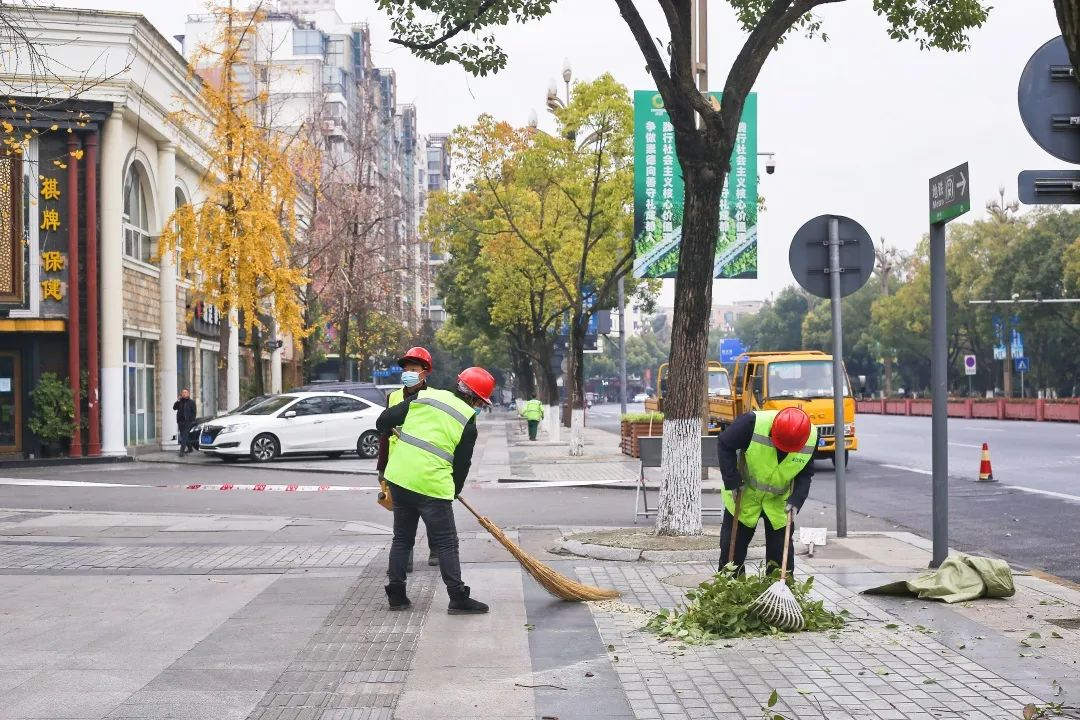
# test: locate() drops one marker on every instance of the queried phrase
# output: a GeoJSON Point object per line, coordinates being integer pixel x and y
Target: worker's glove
{"type": "Point", "coordinates": [791, 509]}
{"type": "Point", "coordinates": [732, 484]}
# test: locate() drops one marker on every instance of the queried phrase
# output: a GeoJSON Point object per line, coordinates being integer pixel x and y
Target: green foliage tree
{"type": "Point", "coordinates": [779, 323]}
{"type": "Point", "coordinates": [445, 31]}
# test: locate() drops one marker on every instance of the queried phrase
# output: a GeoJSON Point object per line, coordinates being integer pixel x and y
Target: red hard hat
{"type": "Point", "coordinates": [418, 354]}
{"type": "Point", "coordinates": [790, 430]}
{"type": "Point", "coordinates": [479, 381]}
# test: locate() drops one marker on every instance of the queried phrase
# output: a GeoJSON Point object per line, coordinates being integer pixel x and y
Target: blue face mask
{"type": "Point", "coordinates": [410, 378]}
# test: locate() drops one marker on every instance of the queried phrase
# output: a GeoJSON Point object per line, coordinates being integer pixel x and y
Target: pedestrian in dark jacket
{"type": "Point", "coordinates": [185, 419]}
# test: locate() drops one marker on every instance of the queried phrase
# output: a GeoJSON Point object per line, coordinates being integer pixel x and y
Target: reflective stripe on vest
{"type": "Point", "coordinates": [422, 460]}
{"type": "Point", "coordinates": [452, 412]}
{"type": "Point", "coordinates": [423, 445]}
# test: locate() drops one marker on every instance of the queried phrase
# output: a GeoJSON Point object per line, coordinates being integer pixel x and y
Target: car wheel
{"type": "Point", "coordinates": [334, 455]}
{"type": "Point", "coordinates": [368, 445]}
{"type": "Point", "coordinates": [264, 448]}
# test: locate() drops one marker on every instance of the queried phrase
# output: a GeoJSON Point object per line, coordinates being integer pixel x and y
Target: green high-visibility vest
{"type": "Point", "coordinates": [423, 458]}
{"type": "Point", "coordinates": [767, 483]}
{"type": "Point", "coordinates": [533, 410]}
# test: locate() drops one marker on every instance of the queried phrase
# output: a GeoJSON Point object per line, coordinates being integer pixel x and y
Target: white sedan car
{"type": "Point", "coordinates": [314, 423]}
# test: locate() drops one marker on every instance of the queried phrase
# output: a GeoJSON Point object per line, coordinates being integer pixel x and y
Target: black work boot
{"type": "Point", "coordinates": [432, 558]}
{"type": "Point", "coordinates": [462, 604]}
{"type": "Point", "coordinates": [395, 593]}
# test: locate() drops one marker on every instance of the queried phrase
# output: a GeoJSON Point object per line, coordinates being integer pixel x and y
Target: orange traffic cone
{"type": "Point", "coordinates": [986, 473]}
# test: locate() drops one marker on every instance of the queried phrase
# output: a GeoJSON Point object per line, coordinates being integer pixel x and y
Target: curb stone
{"type": "Point", "coordinates": [607, 552]}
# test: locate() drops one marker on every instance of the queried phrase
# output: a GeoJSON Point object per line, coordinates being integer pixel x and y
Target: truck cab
{"type": "Point", "coordinates": [803, 379]}
{"type": "Point", "coordinates": [718, 388]}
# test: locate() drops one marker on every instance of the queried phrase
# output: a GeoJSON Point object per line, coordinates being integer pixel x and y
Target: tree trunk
{"type": "Point", "coordinates": [343, 345]}
{"type": "Point", "coordinates": [256, 351]}
{"type": "Point", "coordinates": [548, 383]}
{"type": "Point", "coordinates": [308, 344]}
{"type": "Point", "coordinates": [888, 375]}
{"type": "Point", "coordinates": [223, 363]}
{"type": "Point", "coordinates": [679, 508]}
{"type": "Point", "coordinates": [523, 374]}
{"type": "Point", "coordinates": [1068, 16]}
{"type": "Point", "coordinates": [575, 385]}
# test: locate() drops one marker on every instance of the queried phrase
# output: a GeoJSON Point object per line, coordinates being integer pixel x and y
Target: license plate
{"type": "Point", "coordinates": [206, 439]}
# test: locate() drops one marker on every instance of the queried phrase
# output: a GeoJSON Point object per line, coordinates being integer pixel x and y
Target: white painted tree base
{"type": "Point", "coordinates": [577, 432]}
{"type": "Point", "coordinates": [553, 422]}
{"type": "Point", "coordinates": [679, 509]}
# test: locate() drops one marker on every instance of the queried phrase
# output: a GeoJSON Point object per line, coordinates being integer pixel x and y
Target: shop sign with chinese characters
{"type": "Point", "coordinates": [53, 262]}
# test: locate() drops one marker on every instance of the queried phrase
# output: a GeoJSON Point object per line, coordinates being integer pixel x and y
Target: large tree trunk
{"type": "Point", "coordinates": [679, 508]}
{"type": "Point", "coordinates": [548, 383]}
{"type": "Point", "coordinates": [525, 381]}
{"type": "Point", "coordinates": [1068, 15]}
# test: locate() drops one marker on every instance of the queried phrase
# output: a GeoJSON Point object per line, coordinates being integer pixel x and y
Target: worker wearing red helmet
{"type": "Point", "coordinates": [416, 365]}
{"type": "Point", "coordinates": [766, 458]}
{"type": "Point", "coordinates": [436, 433]}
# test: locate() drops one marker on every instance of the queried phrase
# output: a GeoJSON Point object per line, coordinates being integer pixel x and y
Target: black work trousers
{"type": "Point", "coordinates": [774, 543]}
{"type": "Point", "coordinates": [438, 516]}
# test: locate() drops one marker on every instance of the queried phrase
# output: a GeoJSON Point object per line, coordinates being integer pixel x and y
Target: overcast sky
{"type": "Point", "coordinates": [859, 124]}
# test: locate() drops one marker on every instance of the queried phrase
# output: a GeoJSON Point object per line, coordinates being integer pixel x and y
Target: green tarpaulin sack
{"type": "Point", "coordinates": [961, 577]}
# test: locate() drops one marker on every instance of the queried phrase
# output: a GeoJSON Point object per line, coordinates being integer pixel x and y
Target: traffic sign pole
{"type": "Point", "coordinates": [950, 197]}
{"type": "Point", "coordinates": [839, 426]}
{"type": "Point", "coordinates": [939, 385]}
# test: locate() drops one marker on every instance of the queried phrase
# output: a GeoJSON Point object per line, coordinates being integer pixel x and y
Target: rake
{"type": "Point", "coordinates": [777, 605]}
{"type": "Point", "coordinates": [558, 585]}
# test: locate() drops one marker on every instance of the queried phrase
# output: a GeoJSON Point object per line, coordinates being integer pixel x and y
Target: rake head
{"type": "Point", "coordinates": [778, 607]}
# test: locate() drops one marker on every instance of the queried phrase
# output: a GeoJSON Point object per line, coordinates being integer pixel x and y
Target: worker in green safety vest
{"type": "Point", "coordinates": [416, 365]}
{"type": "Point", "coordinates": [436, 433]}
{"type": "Point", "coordinates": [533, 412]}
{"type": "Point", "coordinates": [766, 458]}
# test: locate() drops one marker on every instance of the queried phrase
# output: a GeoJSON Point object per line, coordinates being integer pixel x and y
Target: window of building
{"type": "Point", "coordinates": [138, 243]}
{"type": "Point", "coordinates": [333, 79]}
{"type": "Point", "coordinates": [335, 50]}
{"type": "Point", "coordinates": [140, 407]}
{"type": "Point", "coordinates": [208, 382]}
{"type": "Point", "coordinates": [308, 42]}
{"type": "Point", "coordinates": [185, 370]}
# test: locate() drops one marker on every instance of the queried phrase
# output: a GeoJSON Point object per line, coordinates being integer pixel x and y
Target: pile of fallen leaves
{"type": "Point", "coordinates": [720, 608]}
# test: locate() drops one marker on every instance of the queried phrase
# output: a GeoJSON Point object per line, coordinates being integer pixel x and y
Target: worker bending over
{"type": "Point", "coordinates": [766, 458]}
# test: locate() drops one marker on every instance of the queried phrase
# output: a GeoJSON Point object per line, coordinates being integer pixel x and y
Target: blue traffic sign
{"type": "Point", "coordinates": [386, 372]}
{"type": "Point", "coordinates": [1021, 364]}
{"type": "Point", "coordinates": [730, 348]}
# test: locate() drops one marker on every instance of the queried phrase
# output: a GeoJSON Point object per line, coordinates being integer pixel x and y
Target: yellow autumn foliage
{"type": "Point", "coordinates": [236, 243]}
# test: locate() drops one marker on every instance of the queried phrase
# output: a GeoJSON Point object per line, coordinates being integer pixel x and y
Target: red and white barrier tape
{"type": "Point", "coordinates": [265, 487]}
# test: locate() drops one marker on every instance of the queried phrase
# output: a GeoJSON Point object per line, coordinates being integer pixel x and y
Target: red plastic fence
{"type": "Point", "coordinates": [996, 409]}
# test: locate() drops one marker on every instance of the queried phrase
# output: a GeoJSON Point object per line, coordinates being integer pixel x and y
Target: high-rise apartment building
{"type": "Point", "coordinates": [437, 175]}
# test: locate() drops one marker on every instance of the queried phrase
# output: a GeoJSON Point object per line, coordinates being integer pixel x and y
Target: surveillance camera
{"type": "Point", "coordinates": [770, 166]}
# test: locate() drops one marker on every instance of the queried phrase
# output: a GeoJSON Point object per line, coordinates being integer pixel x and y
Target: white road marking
{"type": "Point", "coordinates": [64, 483]}
{"type": "Point", "coordinates": [1048, 493]}
{"type": "Point", "coordinates": [909, 469]}
{"type": "Point", "coordinates": [966, 445]}
{"type": "Point", "coordinates": [553, 483]}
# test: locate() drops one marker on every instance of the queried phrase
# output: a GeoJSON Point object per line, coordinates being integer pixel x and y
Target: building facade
{"type": "Point", "coordinates": [94, 180]}
{"type": "Point", "coordinates": [437, 173]}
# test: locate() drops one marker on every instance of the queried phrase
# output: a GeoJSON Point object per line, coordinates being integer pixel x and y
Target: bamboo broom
{"type": "Point", "coordinates": [558, 585]}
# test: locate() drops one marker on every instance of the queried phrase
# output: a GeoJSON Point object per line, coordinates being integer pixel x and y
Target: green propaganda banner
{"type": "Point", "coordinates": [658, 195]}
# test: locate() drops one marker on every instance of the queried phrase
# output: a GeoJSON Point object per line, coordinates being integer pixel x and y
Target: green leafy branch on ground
{"type": "Point", "coordinates": [720, 608]}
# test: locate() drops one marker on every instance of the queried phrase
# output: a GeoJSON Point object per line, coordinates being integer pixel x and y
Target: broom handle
{"type": "Point", "coordinates": [469, 507]}
{"type": "Point", "coordinates": [734, 528]}
{"type": "Point", "coordinates": [787, 542]}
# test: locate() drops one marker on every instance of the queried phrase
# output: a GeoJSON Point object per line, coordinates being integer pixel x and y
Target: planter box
{"type": "Point", "coordinates": [630, 432]}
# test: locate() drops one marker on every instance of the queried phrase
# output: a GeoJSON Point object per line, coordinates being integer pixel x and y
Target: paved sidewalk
{"type": "Point", "coordinates": [127, 615]}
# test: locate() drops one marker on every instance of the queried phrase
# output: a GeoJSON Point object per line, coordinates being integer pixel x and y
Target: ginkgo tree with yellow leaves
{"type": "Point", "coordinates": [555, 210]}
{"type": "Point", "coordinates": [237, 241]}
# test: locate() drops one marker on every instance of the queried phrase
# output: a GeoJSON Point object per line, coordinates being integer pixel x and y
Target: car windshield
{"type": "Point", "coordinates": [718, 383]}
{"type": "Point", "coordinates": [270, 405]}
{"type": "Point", "coordinates": [802, 379]}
